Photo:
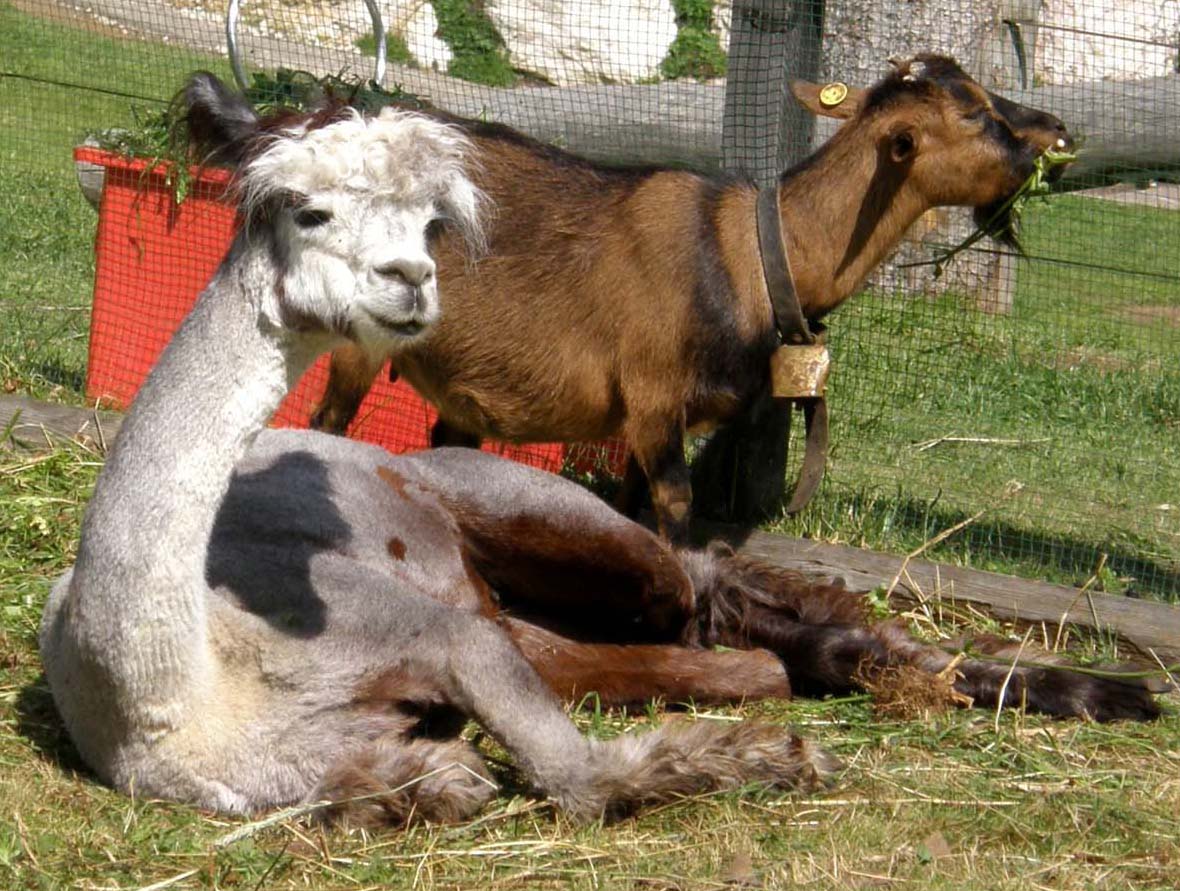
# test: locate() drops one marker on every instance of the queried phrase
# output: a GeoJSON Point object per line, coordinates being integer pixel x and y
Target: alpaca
{"type": "Point", "coordinates": [251, 621]}
{"type": "Point", "coordinates": [633, 302]}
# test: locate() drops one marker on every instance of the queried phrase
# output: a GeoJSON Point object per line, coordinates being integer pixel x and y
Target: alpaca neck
{"type": "Point", "coordinates": [139, 587]}
{"type": "Point", "coordinates": [843, 211]}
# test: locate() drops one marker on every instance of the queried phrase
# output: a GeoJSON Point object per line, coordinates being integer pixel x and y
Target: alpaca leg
{"type": "Point", "coordinates": [636, 673]}
{"type": "Point", "coordinates": [350, 375]}
{"type": "Point", "coordinates": [1035, 679]}
{"type": "Point", "coordinates": [395, 778]}
{"type": "Point", "coordinates": [822, 634]}
{"type": "Point", "coordinates": [487, 677]}
{"type": "Point", "coordinates": [553, 549]}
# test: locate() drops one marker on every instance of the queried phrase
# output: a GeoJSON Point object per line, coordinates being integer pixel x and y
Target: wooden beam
{"type": "Point", "coordinates": [37, 424]}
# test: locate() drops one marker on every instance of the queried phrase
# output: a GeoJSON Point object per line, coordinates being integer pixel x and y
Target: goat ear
{"type": "Point", "coordinates": [903, 143]}
{"type": "Point", "coordinates": [464, 205]}
{"type": "Point", "coordinates": [218, 122]}
{"type": "Point", "coordinates": [834, 100]}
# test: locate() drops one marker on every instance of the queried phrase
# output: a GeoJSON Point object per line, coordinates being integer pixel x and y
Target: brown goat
{"type": "Point", "coordinates": [631, 301]}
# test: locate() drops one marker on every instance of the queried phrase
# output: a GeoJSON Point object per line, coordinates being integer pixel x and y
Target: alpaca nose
{"type": "Point", "coordinates": [413, 271]}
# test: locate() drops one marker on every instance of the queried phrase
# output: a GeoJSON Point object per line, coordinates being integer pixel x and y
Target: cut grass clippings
{"type": "Point", "coordinates": [1025, 803]}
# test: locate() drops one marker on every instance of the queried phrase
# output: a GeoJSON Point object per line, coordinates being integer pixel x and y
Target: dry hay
{"type": "Point", "coordinates": [1150, 314]}
{"type": "Point", "coordinates": [909, 693]}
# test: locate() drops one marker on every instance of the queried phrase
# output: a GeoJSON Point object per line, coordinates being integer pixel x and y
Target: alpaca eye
{"type": "Point", "coordinates": [435, 228]}
{"type": "Point", "coordinates": [309, 218]}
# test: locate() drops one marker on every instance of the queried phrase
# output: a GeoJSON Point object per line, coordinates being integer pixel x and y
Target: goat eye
{"type": "Point", "coordinates": [309, 217]}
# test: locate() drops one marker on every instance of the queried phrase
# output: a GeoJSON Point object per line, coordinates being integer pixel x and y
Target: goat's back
{"type": "Point", "coordinates": [602, 289]}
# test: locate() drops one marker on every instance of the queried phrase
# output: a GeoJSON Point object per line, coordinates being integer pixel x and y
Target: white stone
{"type": "Point", "coordinates": [415, 22]}
{"type": "Point", "coordinates": [614, 41]}
{"type": "Point", "coordinates": [723, 22]}
{"type": "Point", "coordinates": [1106, 53]}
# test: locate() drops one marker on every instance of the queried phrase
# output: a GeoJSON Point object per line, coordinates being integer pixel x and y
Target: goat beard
{"type": "Point", "coordinates": [998, 221]}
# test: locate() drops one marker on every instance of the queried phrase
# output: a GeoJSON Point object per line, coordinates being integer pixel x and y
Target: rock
{"type": "Point", "coordinates": [1064, 56]}
{"type": "Point", "coordinates": [415, 22]}
{"type": "Point", "coordinates": [723, 22]}
{"type": "Point", "coordinates": [622, 41]}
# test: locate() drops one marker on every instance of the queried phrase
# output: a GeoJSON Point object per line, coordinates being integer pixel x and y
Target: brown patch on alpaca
{"type": "Point", "coordinates": [397, 687]}
{"type": "Point", "coordinates": [908, 692]}
{"type": "Point", "coordinates": [396, 548]}
{"type": "Point", "coordinates": [396, 481]}
{"type": "Point", "coordinates": [589, 578]}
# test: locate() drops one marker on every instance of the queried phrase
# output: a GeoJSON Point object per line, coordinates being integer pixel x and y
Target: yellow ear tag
{"type": "Point", "coordinates": [833, 94]}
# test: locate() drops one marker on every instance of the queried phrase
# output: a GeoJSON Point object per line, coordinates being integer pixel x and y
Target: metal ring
{"type": "Point", "coordinates": [235, 55]}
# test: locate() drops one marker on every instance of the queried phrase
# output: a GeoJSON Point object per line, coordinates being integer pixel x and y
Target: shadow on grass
{"type": "Point", "coordinates": [37, 721]}
{"type": "Point", "coordinates": [899, 524]}
{"type": "Point", "coordinates": [56, 372]}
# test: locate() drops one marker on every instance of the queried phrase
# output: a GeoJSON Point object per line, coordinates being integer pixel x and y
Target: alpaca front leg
{"type": "Point", "coordinates": [489, 678]}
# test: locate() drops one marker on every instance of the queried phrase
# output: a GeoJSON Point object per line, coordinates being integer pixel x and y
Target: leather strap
{"type": "Point", "coordinates": [793, 329]}
{"type": "Point", "coordinates": [815, 454]}
{"type": "Point", "coordinates": [776, 268]}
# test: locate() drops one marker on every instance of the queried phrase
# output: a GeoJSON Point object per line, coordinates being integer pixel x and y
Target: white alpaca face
{"type": "Point", "coordinates": [360, 265]}
{"type": "Point", "coordinates": [353, 201]}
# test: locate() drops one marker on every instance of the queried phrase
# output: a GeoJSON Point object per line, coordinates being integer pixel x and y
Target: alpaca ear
{"type": "Point", "coordinates": [218, 122]}
{"type": "Point", "coordinates": [834, 100]}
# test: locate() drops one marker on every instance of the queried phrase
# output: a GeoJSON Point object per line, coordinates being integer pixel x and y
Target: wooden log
{"type": "Point", "coordinates": [33, 424]}
{"type": "Point", "coordinates": [1125, 123]}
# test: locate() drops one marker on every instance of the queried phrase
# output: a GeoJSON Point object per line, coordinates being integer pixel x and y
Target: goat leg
{"type": "Point", "coordinates": [443, 434]}
{"type": "Point", "coordinates": [350, 376]}
{"type": "Point", "coordinates": [657, 444]}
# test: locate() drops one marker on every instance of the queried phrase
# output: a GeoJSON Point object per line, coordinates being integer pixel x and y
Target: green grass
{"type": "Point", "coordinates": [696, 51]}
{"type": "Point", "coordinates": [396, 50]}
{"type": "Point", "coordinates": [478, 51]}
{"type": "Point", "coordinates": [1063, 804]}
{"type": "Point", "coordinates": [1090, 393]}
{"type": "Point", "coordinates": [46, 227]}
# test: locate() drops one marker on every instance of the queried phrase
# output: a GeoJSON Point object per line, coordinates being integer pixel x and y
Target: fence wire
{"type": "Point", "coordinates": [1041, 393]}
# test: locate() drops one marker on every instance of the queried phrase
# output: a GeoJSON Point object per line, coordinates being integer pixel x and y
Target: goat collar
{"type": "Point", "coordinates": [794, 331]}
{"type": "Point", "coordinates": [776, 269]}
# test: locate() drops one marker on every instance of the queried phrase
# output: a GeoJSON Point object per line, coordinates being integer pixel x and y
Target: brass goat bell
{"type": "Point", "coordinates": [799, 371]}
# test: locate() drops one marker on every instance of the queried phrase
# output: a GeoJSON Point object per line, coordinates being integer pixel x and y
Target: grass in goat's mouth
{"type": "Point", "coordinates": [1003, 222]}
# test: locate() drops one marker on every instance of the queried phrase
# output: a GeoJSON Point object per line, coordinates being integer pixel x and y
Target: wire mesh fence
{"type": "Point", "coordinates": [1040, 396]}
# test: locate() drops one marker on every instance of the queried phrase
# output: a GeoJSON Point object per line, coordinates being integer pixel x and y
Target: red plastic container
{"type": "Point", "coordinates": [153, 257]}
